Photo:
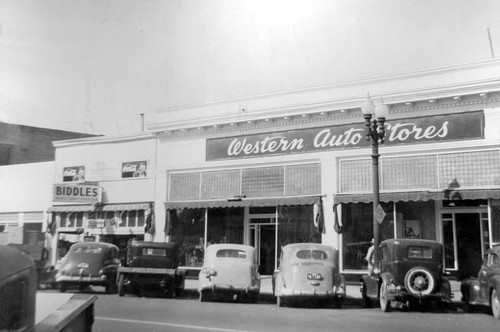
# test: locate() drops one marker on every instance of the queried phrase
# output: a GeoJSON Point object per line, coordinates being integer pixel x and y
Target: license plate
{"type": "Point", "coordinates": [314, 276]}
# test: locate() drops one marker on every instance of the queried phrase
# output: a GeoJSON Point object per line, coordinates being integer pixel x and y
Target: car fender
{"type": "Point", "coordinates": [494, 282]}
{"type": "Point", "coordinates": [445, 287]}
{"type": "Point", "coordinates": [469, 289]}
{"type": "Point", "coordinates": [278, 283]}
{"type": "Point", "coordinates": [386, 277]}
{"type": "Point", "coordinates": [372, 285]}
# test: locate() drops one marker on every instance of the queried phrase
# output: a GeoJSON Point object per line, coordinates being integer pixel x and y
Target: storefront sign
{"type": "Point", "coordinates": [74, 174]}
{"type": "Point", "coordinates": [461, 126]}
{"type": "Point", "coordinates": [82, 193]}
{"type": "Point", "coordinates": [134, 169]}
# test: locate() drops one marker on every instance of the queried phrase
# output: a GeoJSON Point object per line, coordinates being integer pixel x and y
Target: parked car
{"type": "Point", "coordinates": [485, 289]}
{"type": "Point", "coordinates": [17, 290]}
{"type": "Point", "coordinates": [89, 263]}
{"type": "Point", "coordinates": [229, 269]}
{"type": "Point", "coordinates": [40, 254]}
{"type": "Point", "coordinates": [410, 272]}
{"type": "Point", "coordinates": [309, 271]}
{"type": "Point", "coordinates": [152, 265]}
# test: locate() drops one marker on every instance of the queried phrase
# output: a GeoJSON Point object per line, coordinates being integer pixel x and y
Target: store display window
{"type": "Point", "coordinates": [415, 220]}
{"type": "Point", "coordinates": [225, 225]}
{"type": "Point", "coordinates": [295, 224]}
{"type": "Point", "coordinates": [133, 218]}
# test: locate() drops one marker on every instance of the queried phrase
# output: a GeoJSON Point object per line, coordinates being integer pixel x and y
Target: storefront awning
{"type": "Point", "coordinates": [71, 208]}
{"type": "Point", "coordinates": [419, 196]}
{"type": "Point", "coordinates": [124, 207]}
{"type": "Point", "coordinates": [219, 203]}
{"type": "Point", "coordinates": [104, 207]}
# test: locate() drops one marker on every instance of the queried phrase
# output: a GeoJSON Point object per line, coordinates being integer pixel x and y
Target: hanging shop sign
{"type": "Point", "coordinates": [81, 193]}
{"type": "Point", "coordinates": [451, 127]}
{"type": "Point", "coordinates": [134, 169]}
{"type": "Point", "coordinates": [74, 174]}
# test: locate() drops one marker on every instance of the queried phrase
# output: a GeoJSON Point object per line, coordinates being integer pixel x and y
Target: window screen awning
{"type": "Point", "coordinates": [104, 207]}
{"type": "Point", "coordinates": [71, 208]}
{"type": "Point", "coordinates": [226, 203]}
{"type": "Point", "coordinates": [451, 194]}
{"type": "Point", "coordinates": [124, 207]}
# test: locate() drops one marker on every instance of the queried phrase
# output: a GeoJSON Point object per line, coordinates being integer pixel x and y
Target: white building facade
{"type": "Point", "coordinates": [103, 190]}
{"type": "Point", "coordinates": [294, 166]}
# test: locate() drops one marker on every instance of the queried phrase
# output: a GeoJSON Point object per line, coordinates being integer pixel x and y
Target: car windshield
{"type": "Point", "coordinates": [420, 252]}
{"type": "Point", "coordinates": [88, 250]}
{"type": "Point", "coordinates": [154, 252]}
{"type": "Point", "coordinates": [233, 253]}
{"type": "Point", "coordinates": [311, 254]}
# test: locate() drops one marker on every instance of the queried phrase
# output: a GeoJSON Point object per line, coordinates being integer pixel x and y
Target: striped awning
{"type": "Point", "coordinates": [252, 202]}
{"type": "Point", "coordinates": [455, 194]}
{"type": "Point", "coordinates": [124, 207]}
{"type": "Point", "coordinates": [104, 207]}
{"type": "Point", "coordinates": [71, 208]}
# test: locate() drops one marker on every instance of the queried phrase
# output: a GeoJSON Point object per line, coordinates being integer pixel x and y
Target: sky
{"type": "Point", "coordinates": [95, 65]}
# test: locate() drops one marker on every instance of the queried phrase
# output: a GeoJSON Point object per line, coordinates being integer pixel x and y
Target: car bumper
{"type": "Point", "coordinates": [395, 294]}
{"type": "Point", "coordinates": [230, 288]}
{"type": "Point", "coordinates": [335, 293]}
{"type": "Point", "coordinates": [82, 279]}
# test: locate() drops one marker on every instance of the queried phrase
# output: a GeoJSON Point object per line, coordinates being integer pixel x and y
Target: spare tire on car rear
{"type": "Point", "coordinates": [419, 281]}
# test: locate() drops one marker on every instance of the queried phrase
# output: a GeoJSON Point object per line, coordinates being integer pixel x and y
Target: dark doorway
{"type": "Point", "coordinates": [468, 244]}
{"type": "Point", "coordinates": [267, 247]}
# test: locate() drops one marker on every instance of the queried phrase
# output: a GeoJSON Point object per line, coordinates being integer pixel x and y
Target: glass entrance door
{"type": "Point", "coordinates": [263, 238]}
{"type": "Point", "coordinates": [464, 241]}
{"type": "Point", "coordinates": [468, 244]}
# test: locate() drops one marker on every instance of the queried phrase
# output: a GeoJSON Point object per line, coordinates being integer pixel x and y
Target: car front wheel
{"type": "Point", "coordinates": [385, 303]}
{"type": "Point", "coordinates": [495, 304]}
{"type": "Point", "coordinates": [121, 288]}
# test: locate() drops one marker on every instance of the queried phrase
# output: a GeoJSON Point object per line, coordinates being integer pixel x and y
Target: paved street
{"type": "Point", "coordinates": [186, 313]}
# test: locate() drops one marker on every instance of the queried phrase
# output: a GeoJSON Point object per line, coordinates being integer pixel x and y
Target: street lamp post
{"type": "Point", "coordinates": [375, 131]}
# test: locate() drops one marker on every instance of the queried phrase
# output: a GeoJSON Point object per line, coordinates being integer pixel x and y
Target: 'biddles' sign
{"type": "Point", "coordinates": [460, 126]}
{"type": "Point", "coordinates": [82, 193]}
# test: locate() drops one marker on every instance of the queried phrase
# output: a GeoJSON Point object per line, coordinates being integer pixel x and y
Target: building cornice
{"type": "Point", "coordinates": [446, 82]}
{"type": "Point", "coordinates": [426, 107]}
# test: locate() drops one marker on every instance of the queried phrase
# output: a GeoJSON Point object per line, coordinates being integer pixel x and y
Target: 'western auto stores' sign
{"type": "Point", "coordinates": [81, 193]}
{"type": "Point", "coordinates": [458, 126]}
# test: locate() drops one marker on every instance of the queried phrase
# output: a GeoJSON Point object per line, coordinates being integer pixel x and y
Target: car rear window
{"type": "Point", "coordinates": [154, 252]}
{"type": "Point", "coordinates": [88, 250]}
{"type": "Point", "coordinates": [311, 254]}
{"type": "Point", "coordinates": [420, 252]}
{"type": "Point", "coordinates": [233, 253]}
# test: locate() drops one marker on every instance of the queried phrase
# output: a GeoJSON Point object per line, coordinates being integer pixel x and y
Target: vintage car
{"type": "Point", "coordinates": [309, 271]}
{"type": "Point", "coordinates": [410, 273]}
{"type": "Point", "coordinates": [229, 269]}
{"type": "Point", "coordinates": [152, 266]}
{"type": "Point", "coordinates": [40, 254]}
{"type": "Point", "coordinates": [18, 282]}
{"type": "Point", "coordinates": [485, 289]}
{"type": "Point", "coordinates": [89, 263]}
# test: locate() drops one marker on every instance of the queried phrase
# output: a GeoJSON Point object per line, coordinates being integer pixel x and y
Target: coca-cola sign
{"type": "Point", "coordinates": [134, 169]}
{"type": "Point", "coordinates": [458, 126]}
{"type": "Point", "coordinates": [74, 174]}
